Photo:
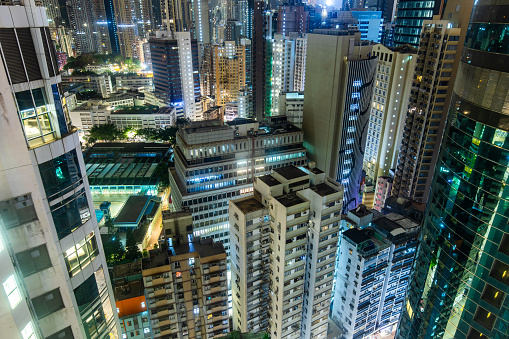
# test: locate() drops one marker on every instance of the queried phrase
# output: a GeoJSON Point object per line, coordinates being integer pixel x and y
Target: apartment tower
{"type": "Point", "coordinates": [53, 270]}
{"type": "Point", "coordinates": [284, 241]}
{"type": "Point", "coordinates": [437, 63]}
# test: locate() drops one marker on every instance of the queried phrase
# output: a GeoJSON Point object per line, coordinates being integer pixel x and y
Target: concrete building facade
{"type": "Point", "coordinates": [51, 255]}
{"type": "Point", "coordinates": [284, 241]}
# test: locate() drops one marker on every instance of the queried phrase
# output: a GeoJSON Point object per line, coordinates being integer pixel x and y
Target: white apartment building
{"type": "Point", "coordinates": [192, 108]}
{"type": "Point", "coordinates": [217, 161]}
{"type": "Point", "coordinates": [291, 104]}
{"type": "Point", "coordinates": [135, 83]}
{"type": "Point", "coordinates": [299, 79]}
{"type": "Point", "coordinates": [374, 264]}
{"type": "Point", "coordinates": [284, 241]}
{"type": "Point", "coordinates": [99, 112]}
{"type": "Point", "coordinates": [245, 103]}
{"type": "Point", "coordinates": [389, 106]}
{"type": "Point", "coordinates": [98, 83]}
{"type": "Point", "coordinates": [53, 272]}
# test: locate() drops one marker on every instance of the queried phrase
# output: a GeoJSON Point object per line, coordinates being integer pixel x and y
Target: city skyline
{"type": "Point", "coordinates": [177, 169]}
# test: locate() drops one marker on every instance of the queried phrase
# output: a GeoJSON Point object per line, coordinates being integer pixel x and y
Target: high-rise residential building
{"type": "Point", "coordinates": [340, 76]}
{"type": "Point", "coordinates": [300, 63]}
{"type": "Point", "coordinates": [130, 300]}
{"type": "Point", "coordinates": [389, 107]}
{"type": "Point", "coordinates": [133, 26]}
{"type": "Point", "coordinates": [374, 262]}
{"type": "Point", "coordinates": [53, 269]}
{"type": "Point", "coordinates": [229, 67]}
{"type": "Point", "coordinates": [89, 26]}
{"type": "Point", "coordinates": [185, 283]}
{"type": "Point", "coordinates": [410, 16]}
{"type": "Point", "coordinates": [259, 55]}
{"type": "Point", "coordinates": [460, 280]}
{"type": "Point", "coordinates": [383, 190]}
{"type": "Point", "coordinates": [245, 103]}
{"type": "Point", "coordinates": [282, 70]}
{"type": "Point", "coordinates": [436, 66]}
{"type": "Point", "coordinates": [292, 18]}
{"type": "Point", "coordinates": [244, 15]}
{"type": "Point", "coordinates": [284, 241]}
{"type": "Point", "coordinates": [175, 67]}
{"type": "Point", "coordinates": [216, 161]}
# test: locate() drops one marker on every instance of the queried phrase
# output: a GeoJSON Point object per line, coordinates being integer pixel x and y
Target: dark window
{"type": "Point", "coordinates": [61, 116]}
{"type": "Point", "coordinates": [499, 272]}
{"type": "Point", "coordinates": [17, 211]}
{"type": "Point", "coordinates": [485, 318]}
{"type": "Point", "coordinates": [48, 303]}
{"type": "Point", "coordinates": [86, 293]}
{"type": "Point", "coordinates": [70, 214]}
{"type": "Point", "coordinates": [49, 51]}
{"type": "Point", "coordinates": [493, 296]}
{"type": "Point", "coordinates": [33, 260]}
{"type": "Point", "coordinates": [66, 333]}
{"type": "Point", "coordinates": [12, 55]}
{"type": "Point", "coordinates": [61, 173]}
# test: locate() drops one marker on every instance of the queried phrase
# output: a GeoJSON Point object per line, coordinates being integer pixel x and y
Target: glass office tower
{"type": "Point", "coordinates": [409, 19]}
{"type": "Point", "coordinates": [461, 274]}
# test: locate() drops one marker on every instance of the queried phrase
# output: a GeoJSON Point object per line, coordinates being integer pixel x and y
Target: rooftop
{"type": "Point", "coordinates": [356, 235]}
{"type": "Point", "coordinates": [323, 189]}
{"type": "Point", "coordinates": [146, 109]}
{"type": "Point", "coordinates": [204, 248]}
{"type": "Point", "coordinates": [360, 211]}
{"type": "Point", "coordinates": [290, 199]}
{"type": "Point", "coordinates": [269, 180]}
{"type": "Point", "coordinates": [290, 172]}
{"type": "Point", "coordinates": [129, 289]}
{"type": "Point", "coordinates": [133, 209]}
{"type": "Point", "coordinates": [125, 270]}
{"type": "Point", "coordinates": [248, 204]}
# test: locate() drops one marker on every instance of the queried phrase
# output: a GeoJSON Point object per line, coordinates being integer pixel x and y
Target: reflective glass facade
{"type": "Point", "coordinates": [460, 279]}
{"type": "Point", "coordinates": [409, 19]}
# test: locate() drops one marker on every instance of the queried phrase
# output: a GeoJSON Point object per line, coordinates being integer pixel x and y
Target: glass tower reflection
{"type": "Point", "coordinates": [461, 275]}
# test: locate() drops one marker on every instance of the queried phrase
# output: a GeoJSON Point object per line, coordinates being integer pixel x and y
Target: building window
{"type": "Point", "coordinates": [81, 254]}
{"type": "Point", "coordinates": [70, 214]}
{"type": "Point", "coordinates": [28, 331]}
{"type": "Point", "coordinates": [12, 291]}
{"type": "Point", "coordinates": [48, 303]}
{"type": "Point", "coordinates": [60, 174]}
{"type": "Point", "coordinates": [33, 260]}
{"type": "Point", "coordinates": [35, 116]}
{"type": "Point", "coordinates": [64, 334]}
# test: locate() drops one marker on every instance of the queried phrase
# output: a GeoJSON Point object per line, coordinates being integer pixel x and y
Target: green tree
{"type": "Point", "coordinates": [163, 174]}
{"type": "Point", "coordinates": [113, 249]}
{"type": "Point", "coordinates": [132, 250]}
{"type": "Point", "coordinates": [107, 132]}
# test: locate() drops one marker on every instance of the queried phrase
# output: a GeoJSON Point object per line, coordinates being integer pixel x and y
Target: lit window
{"type": "Point", "coordinates": [142, 304]}
{"type": "Point", "coordinates": [178, 274]}
{"type": "Point", "coordinates": [356, 95]}
{"type": "Point", "coordinates": [353, 107]}
{"type": "Point", "coordinates": [124, 336]}
{"type": "Point", "coordinates": [357, 83]}
{"type": "Point", "coordinates": [11, 289]}
{"type": "Point", "coordinates": [146, 330]}
{"type": "Point", "coordinates": [196, 311]}
{"type": "Point", "coordinates": [118, 310]}
{"type": "Point", "coordinates": [28, 331]}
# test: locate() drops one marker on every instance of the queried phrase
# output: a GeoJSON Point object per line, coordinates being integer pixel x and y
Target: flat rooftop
{"type": "Point", "coordinates": [356, 235]}
{"type": "Point", "coordinates": [290, 172]}
{"type": "Point", "coordinates": [133, 209]}
{"type": "Point", "coordinates": [323, 189]}
{"type": "Point", "coordinates": [204, 247]}
{"type": "Point", "coordinates": [269, 180]}
{"type": "Point", "coordinates": [147, 109]}
{"type": "Point", "coordinates": [125, 270]}
{"type": "Point", "coordinates": [119, 164]}
{"type": "Point", "coordinates": [128, 290]}
{"type": "Point", "coordinates": [360, 211]}
{"type": "Point", "coordinates": [247, 205]}
{"type": "Point", "coordinates": [289, 200]}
